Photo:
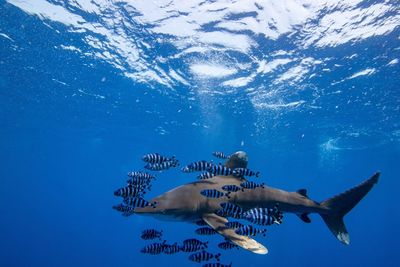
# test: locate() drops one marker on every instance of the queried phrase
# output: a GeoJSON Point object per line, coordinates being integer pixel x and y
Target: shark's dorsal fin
{"type": "Point", "coordinates": [218, 224]}
{"type": "Point", "coordinates": [302, 192]}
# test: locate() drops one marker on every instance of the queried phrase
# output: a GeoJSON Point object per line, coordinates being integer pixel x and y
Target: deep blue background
{"type": "Point", "coordinates": [63, 153]}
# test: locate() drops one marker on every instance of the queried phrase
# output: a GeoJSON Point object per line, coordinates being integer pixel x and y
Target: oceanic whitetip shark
{"type": "Point", "coordinates": [186, 203]}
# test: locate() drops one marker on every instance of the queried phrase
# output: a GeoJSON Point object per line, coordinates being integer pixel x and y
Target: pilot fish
{"type": "Point", "coordinates": [149, 234]}
{"type": "Point", "coordinates": [161, 166]}
{"type": "Point", "coordinates": [214, 193]}
{"type": "Point", "coordinates": [220, 170]}
{"type": "Point", "coordinates": [156, 158]}
{"type": "Point", "coordinates": [192, 245]}
{"type": "Point", "coordinates": [129, 191]}
{"type": "Point", "coordinates": [205, 175]}
{"type": "Point", "coordinates": [231, 188]}
{"type": "Point", "coordinates": [203, 256]}
{"type": "Point", "coordinates": [220, 155]}
{"type": "Point", "coordinates": [234, 224]}
{"type": "Point", "coordinates": [231, 210]}
{"type": "Point", "coordinates": [138, 202]}
{"type": "Point", "coordinates": [154, 249]}
{"type": "Point", "coordinates": [141, 175]}
{"type": "Point", "coordinates": [240, 172]}
{"type": "Point", "coordinates": [197, 166]}
{"type": "Point", "coordinates": [249, 230]}
{"type": "Point", "coordinates": [251, 185]}
{"type": "Point", "coordinates": [263, 216]}
{"type": "Point", "coordinates": [171, 249]}
{"type": "Point", "coordinates": [205, 231]}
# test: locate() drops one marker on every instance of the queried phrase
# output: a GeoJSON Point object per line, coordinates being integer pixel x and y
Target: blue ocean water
{"type": "Point", "coordinates": [88, 87]}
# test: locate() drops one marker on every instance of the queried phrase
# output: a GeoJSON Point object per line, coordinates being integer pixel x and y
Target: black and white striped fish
{"type": "Point", "coordinates": [154, 249]}
{"type": "Point", "coordinates": [240, 172]}
{"type": "Point", "coordinates": [234, 224]}
{"type": "Point", "coordinates": [125, 210]}
{"type": "Point", "coordinates": [251, 185]}
{"type": "Point", "coordinates": [231, 188]}
{"type": "Point", "coordinates": [138, 202]}
{"type": "Point", "coordinates": [205, 175]}
{"type": "Point", "coordinates": [129, 191]}
{"type": "Point", "coordinates": [149, 234]}
{"type": "Point", "coordinates": [136, 181]}
{"type": "Point", "coordinates": [141, 175]}
{"type": "Point", "coordinates": [205, 231]}
{"type": "Point", "coordinates": [232, 210]}
{"type": "Point", "coordinates": [220, 170]}
{"type": "Point", "coordinates": [192, 245]}
{"type": "Point", "coordinates": [197, 166]}
{"type": "Point", "coordinates": [161, 166]}
{"type": "Point", "coordinates": [203, 256]}
{"type": "Point", "coordinates": [171, 249]}
{"type": "Point", "coordinates": [220, 155]}
{"type": "Point", "coordinates": [249, 230]}
{"type": "Point", "coordinates": [216, 264]}
{"type": "Point", "coordinates": [264, 216]}
{"type": "Point", "coordinates": [156, 158]}
{"type": "Point", "coordinates": [227, 245]}
{"type": "Point", "coordinates": [214, 193]}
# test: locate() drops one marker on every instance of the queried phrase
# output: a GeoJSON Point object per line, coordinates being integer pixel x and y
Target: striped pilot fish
{"type": "Point", "coordinates": [264, 216]}
{"type": "Point", "coordinates": [156, 158]}
{"type": "Point", "coordinates": [205, 231]}
{"type": "Point", "coordinates": [161, 166]}
{"type": "Point", "coordinates": [150, 234]}
{"type": "Point", "coordinates": [192, 245]}
{"type": "Point", "coordinates": [220, 170]}
{"type": "Point", "coordinates": [203, 256]}
{"type": "Point", "coordinates": [220, 155]}
{"type": "Point", "coordinates": [205, 175]}
{"type": "Point", "coordinates": [141, 175]}
{"type": "Point", "coordinates": [232, 210]}
{"type": "Point", "coordinates": [249, 230]}
{"type": "Point", "coordinates": [231, 188]}
{"type": "Point", "coordinates": [172, 249]}
{"type": "Point", "coordinates": [216, 264]}
{"type": "Point", "coordinates": [214, 193]}
{"type": "Point", "coordinates": [251, 185]}
{"type": "Point", "coordinates": [138, 202]}
{"type": "Point", "coordinates": [136, 181]}
{"type": "Point", "coordinates": [197, 166]}
{"type": "Point", "coordinates": [240, 172]}
{"type": "Point", "coordinates": [227, 245]}
{"type": "Point", "coordinates": [129, 191]}
{"type": "Point", "coordinates": [234, 224]}
{"type": "Point", "coordinates": [154, 249]}
{"type": "Point", "coordinates": [126, 210]}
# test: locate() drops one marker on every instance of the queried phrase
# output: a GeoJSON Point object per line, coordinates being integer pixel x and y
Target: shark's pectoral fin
{"type": "Point", "coordinates": [218, 224]}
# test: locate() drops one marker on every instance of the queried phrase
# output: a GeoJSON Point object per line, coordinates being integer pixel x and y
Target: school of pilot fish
{"type": "Point", "coordinates": [140, 182]}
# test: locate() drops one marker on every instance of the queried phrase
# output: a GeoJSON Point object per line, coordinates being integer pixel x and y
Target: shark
{"type": "Point", "coordinates": [186, 203]}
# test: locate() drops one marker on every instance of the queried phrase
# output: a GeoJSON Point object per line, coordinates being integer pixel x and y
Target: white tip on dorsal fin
{"type": "Point", "coordinates": [218, 224]}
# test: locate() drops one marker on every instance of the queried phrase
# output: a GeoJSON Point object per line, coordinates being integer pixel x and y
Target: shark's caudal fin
{"type": "Point", "coordinates": [341, 204]}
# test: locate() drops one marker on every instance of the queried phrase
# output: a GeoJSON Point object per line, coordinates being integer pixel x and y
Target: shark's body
{"type": "Point", "coordinates": [186, 203]}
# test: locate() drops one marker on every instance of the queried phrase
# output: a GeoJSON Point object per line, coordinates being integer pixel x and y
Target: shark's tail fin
{"type": "Point", "coordinates": [339, 205]}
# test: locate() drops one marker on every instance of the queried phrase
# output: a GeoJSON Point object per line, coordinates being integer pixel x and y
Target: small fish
{"type": "Point", "coordinates": [205, 175]}
{"type": "Point", "coordinates": [203, 256]}
{"type": "Point", "coordinates": [220, 155]}
{"type": "Point", "coordinates": [129, 191]}
{"type": "Point", "coordinates": [161, 166]}
{"type": "Point", "coordinates": [232, 210]}
{"type": "Point", "coordinates": [149, 234]}
{"type": "Point", "coordinates": [251, 185]}
{"type": "Point", "coordinates": [171, 249]}
{"type": "Point", "coordinates": [227, 245]}
{"type": "Point", "coordinates": [126, 210]}
{"type": "Point", "coordinates": [249, 230]}
{"type": "Point", "coordinates": [192, 245]}
{"type": "Point", "coordinates": [205, 231]}
{"type": "Point", "coordinates": [220, 170]}
{"type": "Point", "coordinates": [240, 172]}
{"type": "Point", "coordinates": [138, 202]}
{"type": "Point", "coordinates": [156, 158]}
{"type": "Point", "coordinates": [201, 222]}
{"type": "Point", "coordinates": [141, 175]}
{"type": "Point", "coordinates": [138, 182]}
{"type": "Point", "coordinates": [234, 225]}
{"type": "Point", "coordinates": [197, 166]}
{"type": "Point", "coordinates": [213, 193]}
{"type": "Point", "coordinates": [231, 188]}
{"type": "Point", "coordinates": [264, 216]}
{"type": "Point", "coordinates": [154, 249]}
